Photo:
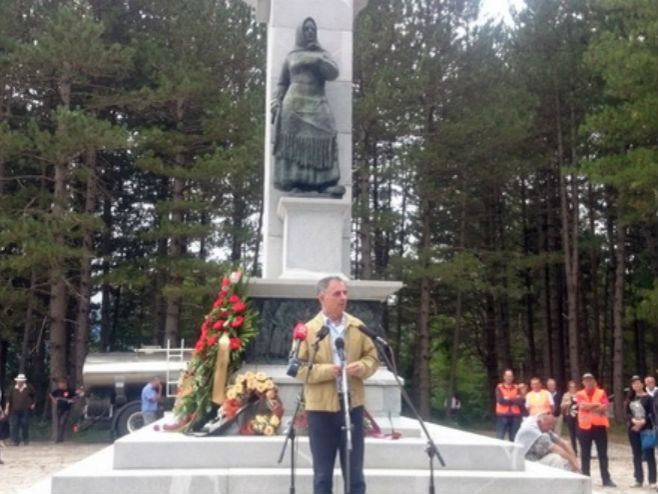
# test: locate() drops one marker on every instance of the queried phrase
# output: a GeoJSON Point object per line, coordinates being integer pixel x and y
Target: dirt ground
{"type": "Point", "coordinates": [26, 465]}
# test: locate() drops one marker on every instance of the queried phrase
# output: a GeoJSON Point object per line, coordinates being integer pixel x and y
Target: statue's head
{"type": "Point", "coordinates": [307, 34]}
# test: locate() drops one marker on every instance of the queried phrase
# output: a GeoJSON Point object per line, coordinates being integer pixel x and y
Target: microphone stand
{"type": "Point", "coordinates": [431, 449]}
{"type": "Point", "coordinates": [292, 435]}
{"type": "Point", "coordinates": [347, 474]}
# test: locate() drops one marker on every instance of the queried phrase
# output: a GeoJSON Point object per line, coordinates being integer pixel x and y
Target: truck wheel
{"type": "Point", "coordinates": [130, 419]}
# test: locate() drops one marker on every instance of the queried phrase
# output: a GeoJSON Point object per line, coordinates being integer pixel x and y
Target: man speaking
{"type": "Point", "coordinates": [323, 394]}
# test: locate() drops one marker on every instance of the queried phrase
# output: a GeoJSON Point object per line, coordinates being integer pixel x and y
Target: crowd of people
{"type": "Point", "coordinates": [534, 418]}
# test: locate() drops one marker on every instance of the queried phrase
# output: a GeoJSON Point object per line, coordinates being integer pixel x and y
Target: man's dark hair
{"type": "Point", "coordinates": [324, 283]}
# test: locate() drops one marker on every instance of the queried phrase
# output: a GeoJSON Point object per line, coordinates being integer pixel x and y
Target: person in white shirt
{"type": "Point", "coordinates": [650, 386]}
{"type": "Point", "coordinates": [542, 445]}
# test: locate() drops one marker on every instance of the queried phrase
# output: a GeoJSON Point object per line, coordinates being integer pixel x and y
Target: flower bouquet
{"type": "Point", "coordinates": [224, 334]}
{"type": "Point", "coordinates": [252, 407]}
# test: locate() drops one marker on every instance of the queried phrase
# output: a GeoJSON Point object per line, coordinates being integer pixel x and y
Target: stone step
{"type": "Point", "coordinates": [96, 475]}
{"type": "Point", "coordinates": [148, 448]}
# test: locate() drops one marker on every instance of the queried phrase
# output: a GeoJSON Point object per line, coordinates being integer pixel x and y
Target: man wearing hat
{"type": "Point", "coordinates": [19, 407]}
{"type": "Point", "coordinates": [593, 426]}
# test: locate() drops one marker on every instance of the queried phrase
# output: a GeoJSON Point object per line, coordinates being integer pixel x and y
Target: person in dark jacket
{"type": "Point", "coordinates": [21, 399]}
{"type": "Point", "coordinates": [63, 397]}
{"type": "Point", "coordinates": [641, 417]}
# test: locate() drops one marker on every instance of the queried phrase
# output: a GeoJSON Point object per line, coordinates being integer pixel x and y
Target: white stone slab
{"type": "Point", "coordinates": [312, 236]}
{"type": "Point", "coordinates": [148, 449]}
{"type": "Point", "coordinates": [345, 162]}
{"type": "Point", "coordinates": [329, 14]}
{"type": "Point", "coordinates": [263, 8]}
{"type": "Point", "coordinates": [305, 289]}
{"type": "Point", "coordinates": [277, 481]}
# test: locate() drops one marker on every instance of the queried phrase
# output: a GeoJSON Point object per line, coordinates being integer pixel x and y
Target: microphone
{"type": "Point", "coordinates": [340, 348]}
{"type": "Point", "coordinates": [299, 335]}
{"type": "Point", "coordinates": [324, 331]}
{"type": "Point", "coordinates": [369, 332]}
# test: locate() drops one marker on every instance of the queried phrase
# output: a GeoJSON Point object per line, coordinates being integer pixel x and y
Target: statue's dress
{"type": "Point", "coordinates": [305, 148]}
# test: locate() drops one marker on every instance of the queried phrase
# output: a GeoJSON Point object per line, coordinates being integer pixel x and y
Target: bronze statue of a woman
{"type": "Point", "coordinates": [305, 147]}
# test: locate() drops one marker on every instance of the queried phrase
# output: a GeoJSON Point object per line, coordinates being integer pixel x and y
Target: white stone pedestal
{"type": "Point", "coordinates": [315, 238]}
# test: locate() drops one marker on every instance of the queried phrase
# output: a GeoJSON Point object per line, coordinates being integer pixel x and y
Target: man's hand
{"type": "Point", "coordinates": [575, 466]}
{"type": "Point", "coordinates": [336, 369]}
{"type": "Point", "coordinates": [354, 369]}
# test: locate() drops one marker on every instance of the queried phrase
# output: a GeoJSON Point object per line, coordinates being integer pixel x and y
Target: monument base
{"type": "Point", "coordinates": [149, 461]}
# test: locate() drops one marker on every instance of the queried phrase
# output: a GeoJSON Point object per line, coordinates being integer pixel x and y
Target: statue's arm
{"type": "Point", "coordinates": [281, 89]}
{"type": "Point", "coordinates": [327, 66]}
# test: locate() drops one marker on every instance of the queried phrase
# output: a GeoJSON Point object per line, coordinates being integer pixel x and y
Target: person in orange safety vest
{"type": "Point", "coordinates": [509, 403]}
{"type": "Point", "coordinates": [593, 426]}
{"type": "Point", "coordinates": [538, 400]}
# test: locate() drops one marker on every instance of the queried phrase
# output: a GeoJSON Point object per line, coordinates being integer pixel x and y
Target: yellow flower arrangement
{"type": "Point", "coordinates": [260, 394]}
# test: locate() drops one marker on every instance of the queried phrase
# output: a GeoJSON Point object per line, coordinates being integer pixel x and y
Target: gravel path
{"type": "Point", "coordinates": [27, 465]}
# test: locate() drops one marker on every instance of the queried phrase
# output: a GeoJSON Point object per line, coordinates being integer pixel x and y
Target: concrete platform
{"type": "Point", "coordinates": [465, 450]}
{"type": "Point", "coordinates": [150, 461]}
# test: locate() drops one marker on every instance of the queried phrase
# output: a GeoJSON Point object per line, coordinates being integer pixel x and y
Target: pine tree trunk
{"type": "Point", "coordinates": [237, 244]}
{"type": "Point", "coordinates": [617, 319]}
{"type": "Point", "coordinates": [28, 329]}
{"type": "Point", "coordinates": [528, 298]}
{"type": "Point", "coordinates": [544, 298]}
{"type": "Point", "coordinates": [176, 245]}
{"type": "Point", "coordinates": [58, 290]}
{"type": "Point", "coordinates": [2, 175]}
{"type": "Point", "coordinates": [569, 231]}
{"type": "Point", "coordinates": [365, 232]}
{"type": "Point", "coordinates": [454, 349]}
{"type": "Point", "coordinates": [255, 266]}
{"type": "Point", "coordinates": [422, 350]}
{"type": "Point", "coordinates": [595, 305]}
{"type": "Point", "coordinates": [84, 290]}
{"type": "Point", "coordinates": [173, 311]}
{"type": "Point", "coordinates": [106, 289]}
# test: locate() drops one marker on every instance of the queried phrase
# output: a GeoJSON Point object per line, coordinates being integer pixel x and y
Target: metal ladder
{"type": "Point", "coordinates": [173, 355]}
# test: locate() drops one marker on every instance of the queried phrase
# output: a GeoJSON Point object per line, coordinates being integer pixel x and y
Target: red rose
{"type": "Point", "coordinates": [233, 299]}
{"type": "Point", "coordinates": [231, 407]}
{"type": "Point", "coordinates": [218, 302]}
{"type": "Point", "coordinates": [237, 322]}
{"type": "Point", "coordinates": [239, 307]}
{"type": "Point", "coordinates": [205, 326]}
{"type": "Point", "coordinates": [225, 282]}
{"type": "Point", "coordinates": [199, 345]}
{"type": "Point", "coordinates": [223, 313]}
{"type": "Point", "coordinates": [212, 340]}
{"type": "Point", "coordinates": [236, 343]}
{"type": "Point", "coordinates": [218, 325]}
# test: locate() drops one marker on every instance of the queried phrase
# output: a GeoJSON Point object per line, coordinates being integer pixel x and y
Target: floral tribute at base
{"type": "Point", "coordinates": [224, 334]}
{"type": "Point", "coordinates": [257, 397]}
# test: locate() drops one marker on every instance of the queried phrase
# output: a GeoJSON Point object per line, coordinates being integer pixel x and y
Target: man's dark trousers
{"type": "Point", "coordinates": [507, 424]}
{"type": "Point", "coordinates": [19, 421]}
{"type": "Point", "coordinates": [62, 419]}
{"type": "Point", "coordinates": [598, 434]}
{"type": "Point", "coordinates": [326, 434]}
